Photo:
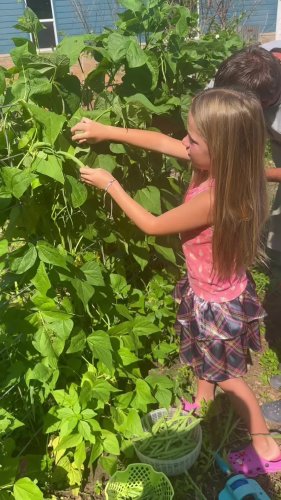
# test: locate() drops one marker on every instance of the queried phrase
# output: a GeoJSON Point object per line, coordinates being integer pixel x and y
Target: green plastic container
{"type": "Point", "coordinates": [139, 482]}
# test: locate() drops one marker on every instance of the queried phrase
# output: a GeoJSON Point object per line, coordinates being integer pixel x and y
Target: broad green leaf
{"type": "Point", "coordinates": [52, 122]}
{"type": "Point", "coordinates": [107, 162]}
{"type": "Point", "coordinates": [96, 452]}
{"type": "Point", "coordinates": [109, 464]}
{"type": "Point", "coordinates": [20, 88]}
{"type": "Point", "coordinates": [149, 198]}
{"type": "Point", "coordinates": [62, 328]}
{"type": "Point", "coordinates": [134, 5]}
{"type": "Point", "coordinates": [70, 441]}
{"type": "Point", "coordinates": [119, 285]}
{"type": "Point", "coordinates": [51, 167]}
{"type": "Point", "coordinates": [74, 476]}
{"type": "Point", "coordinates": [153, 66]}
{"type": "Point", "coordinates": [117, 148]}
{"type": "Point", "coordinates": [25, 489]}
{"type": "Point", "coordinates": [143, 396]}
{"type": "Point", "coordinates": [76, 191]}
{"type": "Point", "coordinates": [64, 413]}
{"type": "Point", "coordinates": [117, 45]}
{"type": "Point", "coordinates": [133, 423]}
{"type": "Point", "coordinates": [8, 421]}
{"type": "Point", "coordinates": [21, 264]}
{"type": "Point", "coordinates": [125, 400]}
{"type": "Point", "coordinates": [142, 100]}
{"type": "Point", "coordinates": [141, 253]}
{"type": "Point", "coordinates": [84, 290]}
{"type": "Point", "coordinates": [166, 252]}
{"type": "Point", "coordinates": [123, 311]}
{"type": "Point", "coordinates": [68, 425]}
{"type": "Point", "coordinates": [182, 24]}
{"type": "Point", "coordinates": [9, 470]}
{"type": "Point", "coordinates": [92, 271]}
{"type": "Point", "coordinates": [49, 345]}
{"type": "Point", "coordinates": [41, 280]}
{"type": "Point", "coordinates": [127, 356]}
{"type": "Point", "coordinates": [79, 455]}
{"type": "Point", "coordinates": [39, 86]}
{"type": "Point", "coordinates": [29, 22]}
{"type": "Point", "coordinates": [50, 255]}
{"type": "Point", "coordinates": [102, 389]}
{"type": "Point", "coordinates": [164, 397]}
{"type": "Point", "coordinates": [26, 138]}
{"type": "Point", "coordinates": [40, 372]}
{"type": "Point", "coordinates": [17, 181]}
{"type": "Point", "coordinates": [135, 55]}
{"type": "Point", "coordinates": [22, 47]}
{"type": "Point", "coordinates": [4, 248]}
{"type": "Point", "coordinates": [110, 442]}
{"type": "Point", "coordinates": [100, 345]}
{"type": "Point", "coordinates": [77, 343]}
{"type": "Point", "coordinates": [63, 398]}
{"type": "Point", "coordinates": [159, 380]}
{"type": "Point", "coordinates": [70, 89]}
{"type": "Point", "coordinates": [72, 46]}
{"type": "Point", "coordinates": [144, 326]}
{"type": "Point", "coordinates": [85, 431]}
{"type": "Point", "coordinates": [164, 349]}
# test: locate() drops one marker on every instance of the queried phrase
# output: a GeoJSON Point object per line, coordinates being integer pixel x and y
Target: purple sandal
{"type": "Point", "coordinates": [248, 462]}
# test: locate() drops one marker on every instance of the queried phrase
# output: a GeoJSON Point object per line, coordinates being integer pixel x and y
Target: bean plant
{"type": "Point", "coordinates": [86, 308]}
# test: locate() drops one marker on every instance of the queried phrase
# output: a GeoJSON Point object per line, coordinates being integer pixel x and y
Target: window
{"type": "Point", "coordinates": [43, 9]}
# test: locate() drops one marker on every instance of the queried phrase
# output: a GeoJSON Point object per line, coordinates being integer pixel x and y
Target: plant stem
{"type": "Point", "coordinates": [197, 489]}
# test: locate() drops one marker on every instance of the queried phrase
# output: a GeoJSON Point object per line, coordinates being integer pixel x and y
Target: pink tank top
{"type": "Point", "coordinates": [197, 248]}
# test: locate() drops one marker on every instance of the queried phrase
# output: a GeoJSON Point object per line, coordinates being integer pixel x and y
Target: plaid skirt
{"type": "Point", "coordinates": [215, 338]}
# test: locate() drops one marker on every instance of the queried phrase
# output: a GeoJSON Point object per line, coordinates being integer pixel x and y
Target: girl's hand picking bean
{"type": "Point", "coordinates": [97, 177]}
{"type": "Point", "coordinates": [89, 131]}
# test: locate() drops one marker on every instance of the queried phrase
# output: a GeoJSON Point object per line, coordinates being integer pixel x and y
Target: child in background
{"type": "Point", "coordinates": [220, 222]}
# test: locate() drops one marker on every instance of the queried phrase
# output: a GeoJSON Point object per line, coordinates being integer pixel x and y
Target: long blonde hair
{"type": "Point", "coordinates": [232, 124]}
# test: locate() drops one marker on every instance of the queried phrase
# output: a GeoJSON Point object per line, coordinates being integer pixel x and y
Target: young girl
{"type": "Point", "coordinates": [220, 222]}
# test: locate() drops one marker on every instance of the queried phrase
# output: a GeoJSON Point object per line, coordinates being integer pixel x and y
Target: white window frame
{"type": "Point", "coordinates": [278, 21]}
{"type": "Point", "coordinates": [53, 20]}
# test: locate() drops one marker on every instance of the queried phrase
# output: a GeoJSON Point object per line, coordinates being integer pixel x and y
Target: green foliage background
{"type": "Point", "coordinates": [86, 311]}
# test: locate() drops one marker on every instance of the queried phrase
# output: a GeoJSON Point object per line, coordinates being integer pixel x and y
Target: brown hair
{"type": "Point", "coordinates": [253, 68]}
{"type": "Point", "coordinates": [232, 124]}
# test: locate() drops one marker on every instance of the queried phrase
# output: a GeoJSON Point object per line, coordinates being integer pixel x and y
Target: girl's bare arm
{"type": "Point", "coordinates": [273, 174]}
{"type": "Point", "coordinates": [186, 217]}
{"type": "Point", "coordinates": [93, 132]}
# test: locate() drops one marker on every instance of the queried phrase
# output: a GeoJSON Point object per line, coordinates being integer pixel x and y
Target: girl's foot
{"type": "Point", "coordinates": [248, 462]}
{"type": "Point", "coordinates": [189, 407]}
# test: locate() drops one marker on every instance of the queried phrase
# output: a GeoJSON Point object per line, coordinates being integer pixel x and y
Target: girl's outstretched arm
{"type": "Point", "coordinates": [93, 132]}
{"type": "Point", "coordinates": [186, 217]}
{"type": "Point", "coordinates": [273, 174]}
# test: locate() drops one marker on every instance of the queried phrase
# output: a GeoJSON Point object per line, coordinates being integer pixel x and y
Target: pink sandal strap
{"type": "Point", "coordinates": [248, 462]}
{"type": "Point", "coordinates": [189, 407]}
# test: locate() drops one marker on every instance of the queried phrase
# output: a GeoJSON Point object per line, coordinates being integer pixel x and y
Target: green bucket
{"type": "Point", "coordinates": [139, 482]}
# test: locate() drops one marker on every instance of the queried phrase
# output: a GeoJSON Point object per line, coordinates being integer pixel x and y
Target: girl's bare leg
{"type": "Point", "coordinates": [205, 391]}
{"type": "Point", "coordinates": [247, 407]}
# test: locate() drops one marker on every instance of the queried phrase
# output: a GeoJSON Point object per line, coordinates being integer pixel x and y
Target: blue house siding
{"type": "Point", "coordinates": [98, 14]}
{"type": "Point", "coordinates": [262, 14]}
{"type": "Point", "coordinates": [102, 13]}
{"type": "Point", "coordinates": [10, 11]}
